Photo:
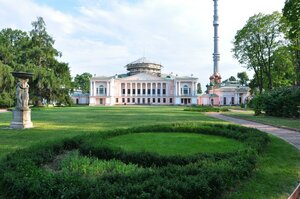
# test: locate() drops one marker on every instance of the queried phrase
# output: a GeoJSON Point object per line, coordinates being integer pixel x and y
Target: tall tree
{"type": "Point", "coordinates": [243, 78]}
{"type": "Point", "coordinates": [255, 44]}
{"type": "Point", "coordinates": [291, 19]}
{"type": "Point", "coordinates": [82, 82]}
{"type": "Point", "coordinates": [199, 89]}
{"type": "Point", "coordinates": [232, 78]}
{"type": "Point", "coordinates": [34, 52]}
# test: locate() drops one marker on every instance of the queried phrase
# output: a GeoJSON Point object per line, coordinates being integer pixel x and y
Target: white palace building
{"type": "Point", "coordinates": [143, 84]}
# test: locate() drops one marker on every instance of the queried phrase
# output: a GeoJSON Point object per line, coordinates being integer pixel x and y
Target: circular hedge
{"type": "Point", "coordinates": [205, 175]}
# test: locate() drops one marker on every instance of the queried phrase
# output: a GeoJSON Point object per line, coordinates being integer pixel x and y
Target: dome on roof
{"type": "Point", "coordinates": [141, 60]}
{"type": "Point", "coordinates": [143, 65]}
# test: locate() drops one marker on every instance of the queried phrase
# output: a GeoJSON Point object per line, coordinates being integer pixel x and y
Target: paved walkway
{"type": "Point", "coordinates": [293, 137]}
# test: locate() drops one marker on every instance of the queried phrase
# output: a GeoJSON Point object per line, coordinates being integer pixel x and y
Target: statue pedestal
{"type": "Point", "coordinates": [22, 119]}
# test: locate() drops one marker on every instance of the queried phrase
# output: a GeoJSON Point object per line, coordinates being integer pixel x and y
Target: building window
{"type": "Point", "coordinates": [164, 100]}
{"type": "Point", "coordinates": [138, 91]}
{"type": "Point", "coordinates": [185, 90]}
{"type": "Point", "coordinates": [224, 101]}
{"type": "Point", "coordinates": [123, 100]}
{"type": "Point", "coordinates": [240, 100]}
{"type": "Point", "coordinates": [133, 100]}
{"type": "Point", "coordinates": [133, 91]}
{"type": "Point", "coordinates": [149, 91]}
{"type": "Point", "coordinates": [144, 91]}
{"type": "Point", "coordinates": [189, 101]}
{"type": "Point", "coordinates": [101, 90]}
{"type": "Point", "coordinates": [181, 101]}
{"type": "Point", "coordinates": [164, 91]}
{"type": "Point", "coordinates": [153, 91]}
{"type": "Point", "coordinates": [117, 100]}
{"type": "Point", "coordinates": [158, 100]}
{"type": "Point", "coordinates": [149, 100]}
{"type": "Point", "coordinates": [143, 100]}
{"type": "Point", "coordinates": [232, 100]}
{"type": "Point", "coordinates": [153, 100]}
{"type": "Point", "coordinates": [171, 100]}
{"type": "Point", "coordinates": [128, 91]}
{"type": "Point", "coordinates": [128, 100]}
{"type": "Point", "coordinates": [139, 100]}
{"type": "Point", "coordinates": [158, 91]}
{"type": "Point", "coordinates": [123, 91]}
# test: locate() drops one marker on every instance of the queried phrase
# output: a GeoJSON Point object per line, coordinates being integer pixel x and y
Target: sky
{"type": "Point", "coordinates": [102, 36]}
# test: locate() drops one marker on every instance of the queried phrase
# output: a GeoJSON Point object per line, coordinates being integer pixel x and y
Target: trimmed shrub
{"type": "Point", "coordinates": [280, 102]}
{"type": "Point", "coordinates": [23, 173]}
{"type": "Point", "coordinates": [206, 109]}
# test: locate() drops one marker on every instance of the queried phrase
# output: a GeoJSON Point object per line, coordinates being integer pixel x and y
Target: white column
{"type": "Point", "coordinates": [108, 89]}
{"type": "Point", "coordinates": [176, 93]}
{"type": "Point", "coordinates": [91, 88]}
{"type": "Point", "coordinates": [94, 88]}
{"type": "Point", "coordinates": [167, 89]}
{"type": "Point", "coordinates": [161, 87]}
{"type": "Point", "coordinates": [146, 88]}
{"type": "Point", "coordinates": [195, 85]}
{"type": "Point", "coordinates": [179, 86]}
{"type": "Point", "coordinates": [126, 89]}
{"type": "Point", "coordinates": [155, 88]}
{"type": "Point", "coordinates": [131, 89]}
{"type": "Point", "coordinates": [141, 88]}
{"type": "Point", "coordinates": [151, 89]}
{"type": "Point", "coordinates": [135, 89]}
{"type": "Point", "coordinates": [193, 88]}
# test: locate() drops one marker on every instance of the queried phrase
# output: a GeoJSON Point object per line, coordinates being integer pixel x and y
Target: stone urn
{"type": "Point", "coordinates": [22, 112]}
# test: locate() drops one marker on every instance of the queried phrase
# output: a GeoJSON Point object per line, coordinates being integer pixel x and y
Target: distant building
{"type": "Point", "coordinates": [143, 84]}
{"type": "Point", "coordinates": [80, 98]}
{"type": "Point", "coordinates": [222, 93]}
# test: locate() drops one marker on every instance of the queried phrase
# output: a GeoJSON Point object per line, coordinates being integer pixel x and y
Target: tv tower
{"type": "Point", "coordinates": [216, 77]}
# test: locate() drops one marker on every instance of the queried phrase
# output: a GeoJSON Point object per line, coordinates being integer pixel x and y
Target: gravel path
{"type": "Point", "coordinates": [292, 137]}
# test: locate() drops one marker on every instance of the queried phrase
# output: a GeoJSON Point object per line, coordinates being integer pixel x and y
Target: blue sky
{"type": "Point", "coordinates": [102, 36]}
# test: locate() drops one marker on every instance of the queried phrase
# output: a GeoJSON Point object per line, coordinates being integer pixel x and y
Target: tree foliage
{"type": "Point", "coordinates": [34, 52]}
{"type": "Point", "coordinates": [243, 78]}
{"type": "Point", "coordinates": [199, 89]}
{"type": "Point", "coordinates": [232, 78]}
{"type": "Point", "coordinates": [82, 82]}
{"type": "Point", "coordinates": [291, 26]}
{"type": "Point", "coordinates": [255, 45]}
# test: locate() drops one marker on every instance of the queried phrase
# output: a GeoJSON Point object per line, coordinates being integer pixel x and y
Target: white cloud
{"type": "Point", "coordinates": [103, 36]}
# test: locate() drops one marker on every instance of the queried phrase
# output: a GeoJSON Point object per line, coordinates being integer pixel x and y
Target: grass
{"type": "Point", "coordinates": [277, 171]}
{"type": "Point", "coordinates": [175, 143]}
{"type": "Point", "coordinates": [91, 167]}
{"type": "Point", "coordinates": [275, 121]}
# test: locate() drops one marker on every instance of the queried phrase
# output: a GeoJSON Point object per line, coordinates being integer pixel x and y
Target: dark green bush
{"type": "Point", "coordinates": [280, 102]}
{"type": "Point", "coordinates": [22, 174]}
{"type": "Point", "coordinates": [206, 109]}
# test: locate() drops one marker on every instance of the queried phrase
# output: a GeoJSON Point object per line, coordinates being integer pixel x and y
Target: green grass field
{"type": "Point", "coordinates": [278, 169]}
{"type": "Point", "coordinates": [175, 143]}
{"type": "Point", "coordinates": [276, 121]}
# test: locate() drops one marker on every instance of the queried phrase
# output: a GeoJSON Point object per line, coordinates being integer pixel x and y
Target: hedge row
{"type": "Point", "coordinates": [280, 102]}
{"type": "Point", "coordinates": [22, 174]}
{"type": "Point", "coordinates": [207, 109]}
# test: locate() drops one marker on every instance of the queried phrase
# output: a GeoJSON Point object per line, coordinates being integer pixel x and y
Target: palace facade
{"type": "Point", "coordinates": [143, 84]}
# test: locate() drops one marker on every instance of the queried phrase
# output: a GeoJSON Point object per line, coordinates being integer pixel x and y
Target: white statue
{"type": "Point", "coordinates": [22, 94]}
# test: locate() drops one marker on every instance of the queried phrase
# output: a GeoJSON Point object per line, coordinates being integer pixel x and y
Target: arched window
{"type": "Point", "coordinates": [185, 90]}
{"type": "Point", "coordinates": [101, 90]}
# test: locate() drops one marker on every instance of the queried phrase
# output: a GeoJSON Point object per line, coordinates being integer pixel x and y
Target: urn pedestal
{"type": "Point", "coordinates": [21, 119]}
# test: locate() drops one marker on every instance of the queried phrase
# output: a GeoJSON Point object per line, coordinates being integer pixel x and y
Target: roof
{"type": "Point", "coordinates": [142, 60]}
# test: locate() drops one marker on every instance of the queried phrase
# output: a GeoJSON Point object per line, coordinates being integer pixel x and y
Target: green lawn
{"type": "Point", "coordinates": [175, 143]}
{"type": "Point", "coordinates": [278, 170]}
{"type": "Point", "coordinates": [276, 121]}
